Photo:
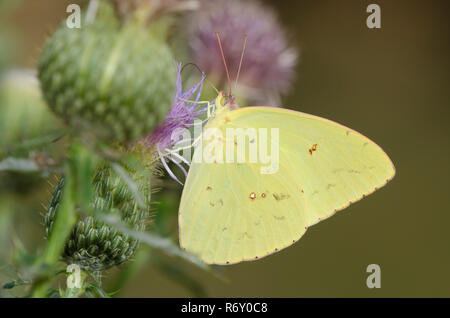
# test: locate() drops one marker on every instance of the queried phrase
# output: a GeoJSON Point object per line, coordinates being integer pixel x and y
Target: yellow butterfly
{"type": "Point", "coordinates": [239, 211]}
{"type": "Point", "coordinates": [239, 203]}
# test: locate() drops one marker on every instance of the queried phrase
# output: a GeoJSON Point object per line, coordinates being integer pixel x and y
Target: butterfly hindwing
{"type": "Point", "coordinates": [236, 214]}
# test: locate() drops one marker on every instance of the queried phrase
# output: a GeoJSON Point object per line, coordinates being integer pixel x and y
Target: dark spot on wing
{"type": "Point", "coordinates": [208, 188]}
{"type": "Point", "coordinates": [243, 235]}
{"type": "Point", "coordinates": [313, 149]}
{"type": "Point", "coordinates": [280, 196]}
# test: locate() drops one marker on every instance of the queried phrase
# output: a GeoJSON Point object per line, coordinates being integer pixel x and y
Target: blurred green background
{"type": "Point", "coordinates": [391, 84]}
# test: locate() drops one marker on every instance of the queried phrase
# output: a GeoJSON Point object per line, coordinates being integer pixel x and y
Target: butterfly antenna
{"type": "Point", "coordinates": [191, 64]}
{"type": "Point", "coordinates": [200, 70]}
{"type": "Point", "coordinates": [224, 61]}
{"type": "Point", "coordinates": [244, 43]}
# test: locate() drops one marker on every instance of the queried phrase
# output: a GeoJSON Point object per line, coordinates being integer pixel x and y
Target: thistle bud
{"type": "Point", "coordinates": [118, 81]}
{"type": "Point", "coordinates": [94, 245]}
{"type": "Point", "coordinates": [24, 116]}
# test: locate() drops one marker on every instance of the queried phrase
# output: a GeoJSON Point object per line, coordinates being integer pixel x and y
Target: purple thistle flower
{"type": "Point", "coordinates": [182, 114]}
{"type": "Point", "coordinates": [268, 64]}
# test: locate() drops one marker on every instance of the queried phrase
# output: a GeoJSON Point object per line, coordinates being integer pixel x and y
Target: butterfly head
{"type": "Point", "coordinates": [225, 102]}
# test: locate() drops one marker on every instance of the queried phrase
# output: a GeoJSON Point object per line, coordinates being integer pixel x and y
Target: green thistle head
{"type": "Point", "coordinates": [116, 80]}
{"type": "Point", "coordinates": [94, 245]}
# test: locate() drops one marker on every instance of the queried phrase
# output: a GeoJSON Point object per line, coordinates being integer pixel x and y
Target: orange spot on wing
{"type": "Point", "coordinates": [312, 149]}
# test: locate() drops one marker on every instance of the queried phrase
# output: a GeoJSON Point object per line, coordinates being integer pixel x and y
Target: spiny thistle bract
{"type": "Point", "coordinates": [117, 80]}
{"type": "Point", "coordinates": [94, 245]}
